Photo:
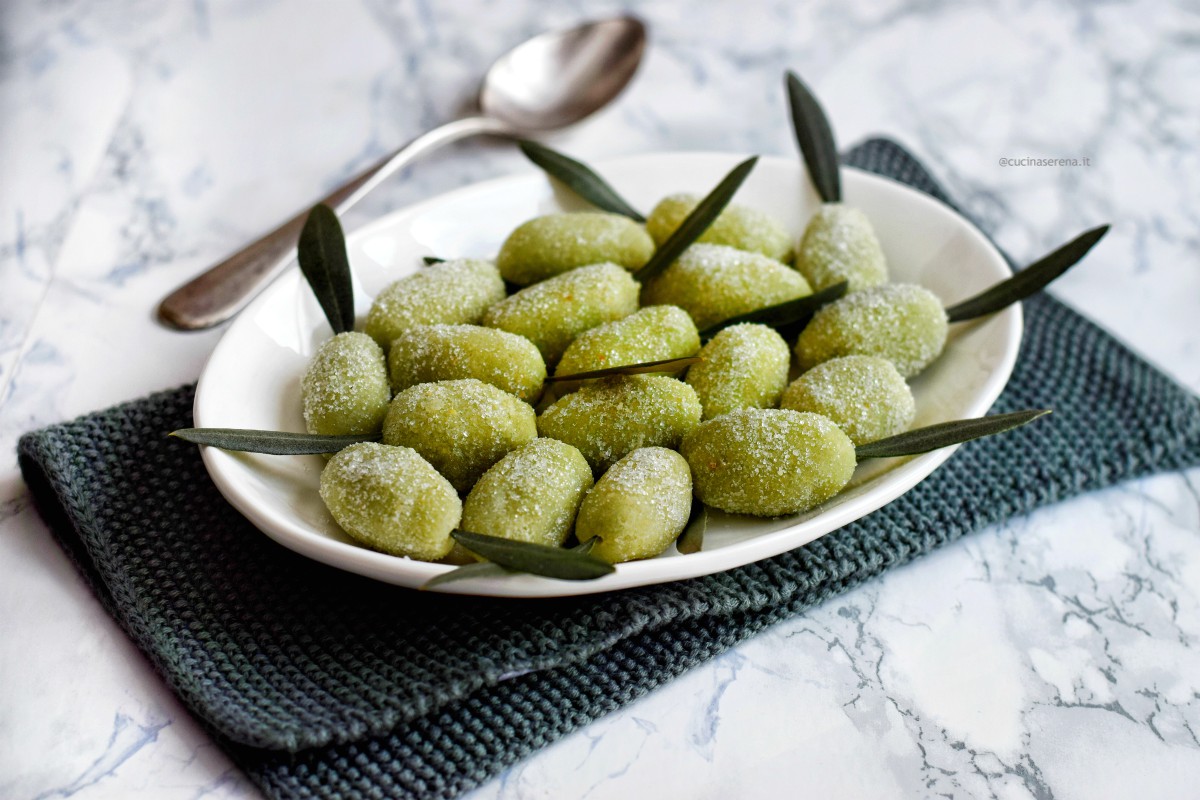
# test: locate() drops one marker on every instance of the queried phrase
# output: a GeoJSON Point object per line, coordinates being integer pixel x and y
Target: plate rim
{"type": "Point", "coordinates": [382, 566]}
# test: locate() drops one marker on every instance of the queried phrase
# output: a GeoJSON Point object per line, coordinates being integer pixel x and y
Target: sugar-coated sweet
{"type": "Point", "coordinates": [345, 388]}
{"type": "Point", "coordinates": [902, 322]}
{"type": "Point", "coordinates": [610, 417]}
{"type": "Point", "coordinates": [556, 243]}
{"type": "Point", "coordinates": [428, 353]}
{"type": "Point", "coordinates": [391, 499]}
{"type": "Point", "coordinates": [838, 245]}
{"type": "Point", "coordinates": [655, 333]}
{"type": "Point", "coordinates": [552, 313]}
{"type": "Point", "coordinates": [768, 462]}
{"type": "Point", "coordinates": [737, 226]}
{"type": "Point", "coordinates": [743, 366]}
{"type": "Point", "coordinates": [462, 427]}
{"type": "Point", "coordinates": [453, 292]}
{"type": "Point", "coordinates": [530, 495]}
{"type": "Point", "coordinates": [638, 507]}
{"type": "Point", "coordinates": [712, 282]}
{"type": "Point", "coordinates": [864, 395]}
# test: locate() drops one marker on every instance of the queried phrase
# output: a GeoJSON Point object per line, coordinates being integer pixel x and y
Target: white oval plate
{"type": "Point", "coordinates": [252, 379]}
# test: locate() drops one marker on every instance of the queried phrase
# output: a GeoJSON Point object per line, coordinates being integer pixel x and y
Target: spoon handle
{"type": "Point", "coordinates": [224, 289]}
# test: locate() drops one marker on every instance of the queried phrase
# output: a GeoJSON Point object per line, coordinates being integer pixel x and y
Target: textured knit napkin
{"type": "Point", "coordinates": [322, 683]}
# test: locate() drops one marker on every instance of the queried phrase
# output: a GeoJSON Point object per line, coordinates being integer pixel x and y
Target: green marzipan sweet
{"type": "Point", "coordinates": [638, 507]}
{"type": "Point", "coordinates": [345, 387]}
{"type": "Point", "coordinates": [610, 417]}
{"type": "Point", "coordinates": [462, 427]}
{"type": "Point", "coordinates": [391, 499]}
{"type": "Point", "coordinates": [556, 243]}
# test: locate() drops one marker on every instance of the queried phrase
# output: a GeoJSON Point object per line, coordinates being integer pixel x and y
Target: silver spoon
{"type": "Point", "coordinates": [548, 82]}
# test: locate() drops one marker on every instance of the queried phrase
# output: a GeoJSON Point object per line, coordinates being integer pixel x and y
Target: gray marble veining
{"type": "Point", "coordinates": [1055, 656]}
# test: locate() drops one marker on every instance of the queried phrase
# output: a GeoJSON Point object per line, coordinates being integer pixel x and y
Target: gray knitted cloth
{"type": "Point", "coordinates": [321, 683]}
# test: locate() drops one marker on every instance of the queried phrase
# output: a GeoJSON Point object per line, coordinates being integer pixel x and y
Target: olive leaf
{"type": "Point", "coordinates": [1028, 281]}
{"type": "Point", "coordinates": [815, 137]}
{"type": "Point", "coordinates": [484, 569]}
{"type": "Point", "coordinates": [692, 538]}
{"type": "Point", "coordinates": [536, 559]}
{"type": "Point", "coordinates": [935, 437]}
{"type": "Point", "coordinates": [431, 260]}
{"type": "Point", "coordinates": [275, 443]}
{"type": "Point", "coordinates": [490, 569]}
{"type": "Point", "coordinates": [323, 260]}
{"type": "Point", "coordinates": [789, 313]}
{"type": "Point", "coordinates": [579, 178]}
{"type": "Point", "coordinates": [666, 365]}
{"type": "Point", "coordinates": [697, 222]}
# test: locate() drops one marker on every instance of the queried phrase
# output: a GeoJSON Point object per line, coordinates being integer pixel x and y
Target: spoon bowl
{"type": "Point", "coordinates": [559, 78]}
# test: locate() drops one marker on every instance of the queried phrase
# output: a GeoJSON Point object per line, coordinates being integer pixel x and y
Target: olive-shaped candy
{"type": "Point", "coordinates": [530, 495]}
{"type": "Point", "coordinates": [638, 507]}
{"type": "Point", "coordinates": [430, 353]}
{"type": "Point", "coordinates": [345, 389]}
{"type": "Point", "coordinates": [655, 333]}
{"type": "Point", "coordinates": [768, 461]}
{"type": "Point", "coordinates": [737, 226]}
{"type": "Point", "coordinates": [743, 366]}
{"type": "Point", "coordinates": [901, 322]}
{"type": "Point", "coordinates": [453, 292]}
{"type": "Point", "coordinates": [461, 427]}
{"type": "Point", "coordinates": [864, 395]}
{"type": "Point", "coordinates": [713, 282]}
{"type": "Point", "coordinates": [610, 417]}
{"type": "Point", "coordinates": [838, 245]}
{"type": "Point", "coordinates": [547, 246]}
{"type": "Point", "coordinates": [552, 313]}
{"type": "Point", "coordinates": [391, 499]}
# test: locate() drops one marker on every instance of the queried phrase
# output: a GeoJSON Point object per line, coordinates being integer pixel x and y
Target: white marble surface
{"type": "Point", "coordinates": [1055, 656]}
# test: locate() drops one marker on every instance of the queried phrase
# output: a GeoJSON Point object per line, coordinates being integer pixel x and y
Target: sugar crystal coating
{"type": "Point", "coordinates": [768, 462]}
{"type": "Point", "coordinates": [610, 417]}
{"type": "Point", "coordinates": [530, 495]}
{"type": "Point", "coordinates": [838, 245]}
{"type": "Point", "coordinates": [453, 292]}
{"type": "Point", "coordinates": [556, 243]}
{"type": "Point", "coordinates": [638, 507]}
{"type": "Point", "coordinates": [743, 366]}
{"type": "Point", "coordinates": [655, 333]}
{"type": "Point", "coordinates": [428, 353]}
{"type": "Point", "coordinates": [552, 313]}
{"type": "Point", "coordinates": [391, 499]}
{"type": "Point", "coordinates": [345, 389]}
{"type": "Point", "coordinates": [462, 427]}
{"type": "Point", "coordinates": [864, 395]}
{"type": "Point", "coordinates": [739, 226]}
{"type": "Point", "coordinates": [712, 282]}
{"type": "Point", "coordinates": [901, 322]}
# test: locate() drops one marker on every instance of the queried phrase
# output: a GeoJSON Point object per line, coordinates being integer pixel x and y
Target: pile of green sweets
{"type": "Point", "coordinates": [450, 369]}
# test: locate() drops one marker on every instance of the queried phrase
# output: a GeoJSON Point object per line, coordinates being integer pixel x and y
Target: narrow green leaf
{"type": "Point", "coordinates": [484, 569]}
{"type": "Point", "coordinates": [666, 365]}
{"type": "Point", "coordinates": [587, 546]}
{"type": "Point", "coordinates": [1032, 279]}
{"type": "Point", "coordinates": [935, 437]}
{"type": "Point", "coordinates": [323, 260]}
{"type": "Point", "coordinates": [692, 538]}
{"type": "Point", "coordinates": [275, 443]}
{"type": "Point", "coordinates": [431, 260]}
{"type": "Point", "coordinates": [536, 559]}
{"type": "Point", "coordinates": [697, 222]}
{"type": "Point", "coordinates": [490, 569]}
{"type": "Point", "coordinates": [579, 178]}
{"type": "Point", "coordinates": [792, 312]}
{"type": "Point", "coordinates": [815, 137]}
